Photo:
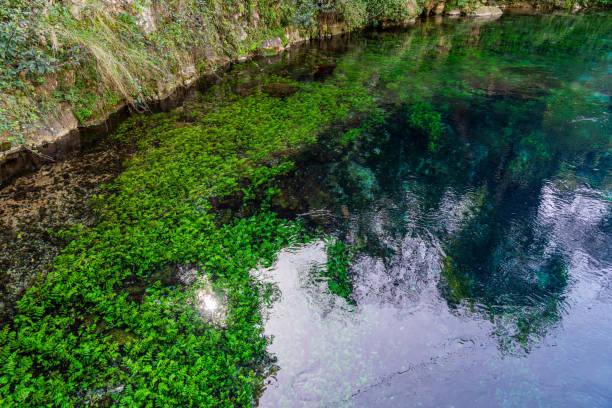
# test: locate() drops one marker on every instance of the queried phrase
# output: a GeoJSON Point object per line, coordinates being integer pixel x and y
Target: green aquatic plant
{"type": "Point", "coordinates": [106, 328]}
{"type": "Point", "coordinates": [426, 120]}
{"type": "Point", "coordinates": [102, 329]}
{"type": "Point", "coordinates": [336, 272]}
{"type": "Point", "coordinates": [457, 286]}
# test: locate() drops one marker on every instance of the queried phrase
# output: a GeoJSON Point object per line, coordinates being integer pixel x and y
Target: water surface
{"type": "Point", "coordinates": [476, 208]}
{"type": "Point", "coordinates": [467, 217]}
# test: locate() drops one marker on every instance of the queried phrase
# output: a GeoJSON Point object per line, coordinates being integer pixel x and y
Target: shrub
{"type": "Point", "coordinates": [390, 10]}
{"type": "Point", "coordinates": [21, 51]}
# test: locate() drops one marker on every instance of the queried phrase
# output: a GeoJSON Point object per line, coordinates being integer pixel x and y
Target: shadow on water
{"type": "Point", "coordinates": [474, 216]}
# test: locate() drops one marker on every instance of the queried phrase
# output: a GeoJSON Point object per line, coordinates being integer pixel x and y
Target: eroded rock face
{"type": "Point", "coordinates": [146, 19]}
{"type": "Point", "coordinates": [294, 36]}
{"type": "Point", "coordinates": [56, 126]}
{"type": "Point", "coordinates": [332, 29]}
{"type": "Point", "coordinates": [486, 11]}
{"type": "Point", "coordinates": [241, 34]}
{"type": "Point", "coordinates": [189, 73]}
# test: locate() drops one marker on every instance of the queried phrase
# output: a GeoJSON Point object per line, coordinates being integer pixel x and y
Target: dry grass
{"type": "Point", "coordinates": [126, 68]}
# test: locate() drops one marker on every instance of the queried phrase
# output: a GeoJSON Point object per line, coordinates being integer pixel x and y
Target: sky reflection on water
{"type": "Point", "coordinates": [482, 258]}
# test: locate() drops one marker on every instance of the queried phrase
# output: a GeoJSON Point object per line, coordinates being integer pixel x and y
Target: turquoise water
{"type": "Point", "coordinates": [470, 218]}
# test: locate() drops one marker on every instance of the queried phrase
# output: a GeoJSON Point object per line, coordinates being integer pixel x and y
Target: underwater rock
{"type": "Point", "coordinates": [324, 70]}
{"type": "Point", "coordinates": [486, 11]}
{"type": "Point", "coordinates": [279, 89]}
{"type": "Point", "coordinates": [34, 207]}
{"type": "Point", "coordinates": [246, 88]}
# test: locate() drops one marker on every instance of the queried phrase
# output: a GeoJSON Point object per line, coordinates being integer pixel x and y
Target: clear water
{"type": "Point", "coordinates": [478, 206]}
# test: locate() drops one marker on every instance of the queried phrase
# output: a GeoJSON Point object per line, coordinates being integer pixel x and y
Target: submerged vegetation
{"type": "Point", "coordinates": [336, 271]}
{"type": "Point", "coordinates": [89, 335]}
{"type": "Point", "coordinates": [488, 138]}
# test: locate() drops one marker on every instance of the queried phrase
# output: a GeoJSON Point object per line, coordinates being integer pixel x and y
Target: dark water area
{"type": "Point", "coordinates": [475, 211]}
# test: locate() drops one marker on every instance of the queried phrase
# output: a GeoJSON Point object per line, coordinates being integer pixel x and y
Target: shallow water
{"type": "Point", "coordinates": [476, 206]}
{"type": "Point", "coordinates": [35, 207]}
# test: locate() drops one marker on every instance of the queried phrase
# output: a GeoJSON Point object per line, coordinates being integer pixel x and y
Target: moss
{"type": "Point", "coordinates": [81, 96]}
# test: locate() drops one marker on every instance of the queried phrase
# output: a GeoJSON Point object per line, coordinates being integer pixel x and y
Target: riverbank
{"type": "Point", "coordinates": [89, 65]}
{"type": "Point", "coordinates": [95, 63]}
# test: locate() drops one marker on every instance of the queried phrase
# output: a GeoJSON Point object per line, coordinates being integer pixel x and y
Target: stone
{"type": "Point", "coordinates": [188, 73]}
{"type": "Point", "coordinates": [146, 19]}
{"type": "Point", "coordinates": [401, 23]}
{"type": "Point", "coordinates": [439, 9]}
{"type": "Point", "coordinates": [294, 36]}
{"type": "Point", "coordinates": [486, 11]}
{"type": "Point", "coordinates": [75, 9]}
{"type": "Point", "coordinates": [453, 13]}
{"type": "Point", "coordinates": [272, 45]}
{"type": "Point", "coordinates": [255, 19]}
{"type": "Point", "coordinates": [55, 127]}
{"type": "Point", "coordinates": [334, 29]}
{"type": "Point", "coordinates": [241, 33]}
{"type": "Point", "coordinates": [576, 7]}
